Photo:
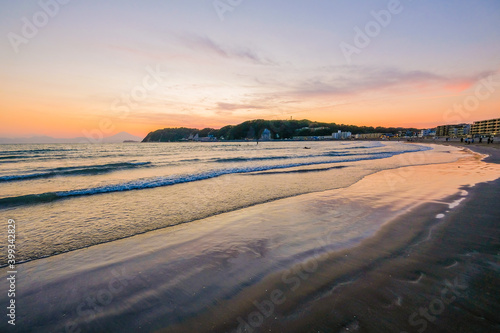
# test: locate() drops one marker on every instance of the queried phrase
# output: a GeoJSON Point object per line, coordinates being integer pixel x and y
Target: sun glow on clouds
{"type": "Point", "coordinates": [68, 78]}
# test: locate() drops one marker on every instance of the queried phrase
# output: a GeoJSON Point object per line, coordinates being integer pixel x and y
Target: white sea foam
{"type": "Point", "coordinates": [455, 203]}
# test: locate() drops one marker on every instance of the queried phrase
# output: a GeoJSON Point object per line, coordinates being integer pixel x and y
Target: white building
{"type": "Point", "coordinates": [266, 135]}
{"type": "Point", "coordinates": [341, 135]}
{"type": "Point", "coordinates": [427, 132]}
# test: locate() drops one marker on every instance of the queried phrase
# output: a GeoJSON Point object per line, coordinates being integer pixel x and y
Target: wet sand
{"type": "Point", "coordinates": [435, 269]}
{"type": "Point", "coordinates": [481, 148]}
{"type": "Point", "coordinates": [412, 249]}
{"type": "Point", "coordinates": [416, 275]}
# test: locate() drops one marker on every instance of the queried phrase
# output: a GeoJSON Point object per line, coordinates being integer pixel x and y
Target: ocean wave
{"type": "Point", "coordinates": [10, 157]}
{"type": "Point", "coordinates": [349, 153]}
{"type": "Point", "coordinates": [35, 151]}
{"type": "Point", "coordinates": [250, 159]}
{"type": "Point", "coordinates": [28, 199]}
{"type": "Point", "coordinates": [296, 171]}
{"type": "Point", "coordinates": [62, 156]}
{"type": "Point", "coordinates": [75, 171]}
{"type": "Point", "coordinates": [333, 153]}
{"type": "Point", "coordinates": [170, 180]}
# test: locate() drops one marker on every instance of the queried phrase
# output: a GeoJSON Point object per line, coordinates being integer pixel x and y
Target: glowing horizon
{"type": "Point", "coordinates": [124, 66]}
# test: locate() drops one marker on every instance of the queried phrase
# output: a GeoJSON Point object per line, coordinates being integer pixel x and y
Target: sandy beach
{"type": "Point", "coordinates": [482, 148]}
{"type": "Point", "coordinates": [433, 269]}
{"type": "Point", "coordinates": [426, 260]}
{"type": "Point", "coordinates": [236, 166]}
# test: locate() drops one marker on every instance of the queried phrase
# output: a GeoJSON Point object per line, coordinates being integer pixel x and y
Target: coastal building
{"type": "Point", "coordinates": [341, 135]}
{"type": "Point", "coordinates": [407, 134]}
{"type": "Point", "coordinates": [454, 131]}
{"type": "Point", "coordinates": [207, 139]}
{"type": "Point", "coordinates": [266, 135]}
{"type": "Point", "coordinates": [427, 132]}
{"type": "Point", "coordinates": [370, 136]}
{"type": "Point", "coordinates": [312, 137]}
{"type": "Point", "coordinates": [489, 127]}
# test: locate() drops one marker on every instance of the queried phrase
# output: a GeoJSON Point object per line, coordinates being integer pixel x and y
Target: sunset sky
{"type": "Point", "coordinates": [136, 66]}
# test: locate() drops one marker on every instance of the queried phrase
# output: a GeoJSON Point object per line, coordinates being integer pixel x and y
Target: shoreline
{"type": "Point", "coordinates": [280, 189]}
{"type": "Point", "coordinates": [446, 269]}
{"type": "Point", "coordinates": [481, 148]}
{"type": "Point", "coordinates": [369, 282]}
{"type": "Point", "coordinates": [210, 258]}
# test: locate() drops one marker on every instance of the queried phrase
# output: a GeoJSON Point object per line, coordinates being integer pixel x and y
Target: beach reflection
{"type": "Point", "coordinates": [207, 274]}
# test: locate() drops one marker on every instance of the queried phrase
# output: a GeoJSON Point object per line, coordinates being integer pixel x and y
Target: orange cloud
{"type": "Point", "coordinates": [460, 85]}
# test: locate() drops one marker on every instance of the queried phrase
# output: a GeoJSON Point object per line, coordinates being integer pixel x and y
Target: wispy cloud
{"type": "Point", "coordinates": [342, 81]}
{"type": "Point", "coordinates": [233, 106]}
{"type": "Point", "coordinates": [297, 90]}
{"type": "Point", "coordinates": [206, 44]}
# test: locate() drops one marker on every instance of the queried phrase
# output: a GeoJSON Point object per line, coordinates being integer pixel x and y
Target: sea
{"type": "Point", "coordinates": [65, 197]}
{"type": "Point", "coordinates": [296, 236]}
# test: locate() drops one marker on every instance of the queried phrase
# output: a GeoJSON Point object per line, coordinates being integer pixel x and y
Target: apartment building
{"type": "Point", "coordinates": [489, 127]}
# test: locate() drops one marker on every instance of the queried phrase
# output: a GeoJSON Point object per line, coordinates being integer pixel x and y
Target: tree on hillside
{"type": "Point", "coordinates": [252, 129]}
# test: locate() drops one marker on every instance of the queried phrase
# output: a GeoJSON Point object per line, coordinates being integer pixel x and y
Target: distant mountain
{"type": "Point", "coordinates": [117, 138]}
{"type": "Point", "coordinates": [120, 137]}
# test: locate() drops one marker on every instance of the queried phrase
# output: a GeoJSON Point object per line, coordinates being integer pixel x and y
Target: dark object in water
{"type": "Point", "coordinates": [307, 147]}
